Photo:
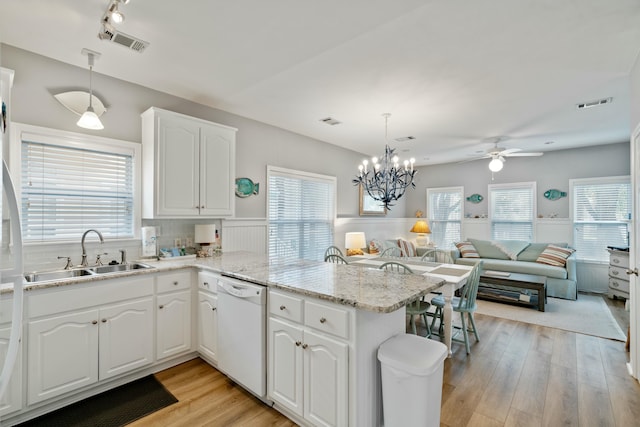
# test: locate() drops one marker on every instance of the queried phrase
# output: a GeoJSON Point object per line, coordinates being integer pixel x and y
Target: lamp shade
{"type": "Point", "coordinates": [205, 233]}
{"type": "Point", "coordinates": [420, 227]}
{"type": "Point", "coordinates": [355, 240]}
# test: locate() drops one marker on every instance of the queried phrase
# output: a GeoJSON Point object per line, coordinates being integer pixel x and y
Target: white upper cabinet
{"type": "Point", "coordinates": [188, 166]}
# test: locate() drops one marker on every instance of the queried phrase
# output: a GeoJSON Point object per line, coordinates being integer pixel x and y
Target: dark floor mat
{"type": "Point", "coordinates": [113, 408]}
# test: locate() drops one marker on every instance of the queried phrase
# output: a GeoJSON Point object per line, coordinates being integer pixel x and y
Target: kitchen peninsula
{"type": "Point", "coordinates": [365, 307]}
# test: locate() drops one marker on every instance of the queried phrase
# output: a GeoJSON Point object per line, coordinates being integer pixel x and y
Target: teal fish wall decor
{"type": "Point", "coordinates": [554, 194]}
{"type": "Point", "coordinates": [475, 198]}
{"type": "Point", "coordinates": [246, 187]}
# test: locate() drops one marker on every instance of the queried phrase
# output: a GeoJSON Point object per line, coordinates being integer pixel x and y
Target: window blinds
{"type": "Point", "coordinates": [600, 214]}
{"type": "Point", "coordinates": [66, 190]}
{"type": "Point", "coordinates": [301, 211]}
{"type": "Point", "coordinates": [445, 215]}
{"type": "Point", "coordinates": [512, 211]}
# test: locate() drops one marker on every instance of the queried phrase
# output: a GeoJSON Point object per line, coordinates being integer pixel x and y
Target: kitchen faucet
{"type": "Point", "coordinates": [84, 262]}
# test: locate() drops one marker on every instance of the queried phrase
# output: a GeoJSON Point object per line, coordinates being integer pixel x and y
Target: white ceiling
{"type": "Point", "coordinates": [453, 74]}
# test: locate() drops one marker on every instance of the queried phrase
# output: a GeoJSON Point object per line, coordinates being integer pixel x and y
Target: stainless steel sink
{"type": "Point", "coordinates": [87, 271]}
{"type": "Point", "coordinates": [105, 269]}
{"type": "Point", "coordinates": [57, 275]}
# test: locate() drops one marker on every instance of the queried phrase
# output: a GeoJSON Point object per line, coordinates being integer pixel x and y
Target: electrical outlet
{"type": "Point", "coordinates": [189, 242]}
{"type": "Point", "coordinates": [177, 242]}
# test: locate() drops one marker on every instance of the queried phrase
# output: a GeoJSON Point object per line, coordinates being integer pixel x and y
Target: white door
{"type": "Point", "coordinates": [126, 337]}
{"type": "Point", "coordinates": [634, 256]}
{"type": "Point", "coordinates": [326, 382]}
{"type": "Point", "coordinates": [285, 365]}
{"type": "Point", "coordinates": [10, 401]}
{"type": "Point", "coordinates": [208, 325]}
{"type": "Point", "coordinates": [62, 354]}
{"type": "Point", "coordinates": [173, 335]}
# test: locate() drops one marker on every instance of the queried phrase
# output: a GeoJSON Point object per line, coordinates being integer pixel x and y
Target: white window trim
{"type": "Point", "coordinates": [79, 140]}
{"type": "Point", "coordinates": [459, 189]}
{"type": "Point", "coordinates": [532, 185]}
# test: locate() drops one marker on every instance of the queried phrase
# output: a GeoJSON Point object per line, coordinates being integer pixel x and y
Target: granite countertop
{"type": "Point", "coordinates": [357, 286]}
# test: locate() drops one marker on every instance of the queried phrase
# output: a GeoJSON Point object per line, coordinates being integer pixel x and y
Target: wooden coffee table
{"type": "Point", "coordinates": [515, 281]}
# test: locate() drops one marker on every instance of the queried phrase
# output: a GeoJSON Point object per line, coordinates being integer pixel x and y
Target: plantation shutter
{"type": "Point", "coordinates": [445, 215]}
{"type": "Point", "coordinates": [512, 211]}
{"type": "Point", "coordinates": [301, 211]}
{"type": "Point", "coordinates": [66, 190]}
{"type": "Point", "coordinates": [601, 211]}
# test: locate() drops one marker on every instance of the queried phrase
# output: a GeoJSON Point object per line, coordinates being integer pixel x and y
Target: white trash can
{"type": "Point", "coordinates": [412, 368]}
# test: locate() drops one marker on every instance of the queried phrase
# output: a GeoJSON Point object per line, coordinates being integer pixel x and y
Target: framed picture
{"type": "Point", "coordinates": [369, 206]}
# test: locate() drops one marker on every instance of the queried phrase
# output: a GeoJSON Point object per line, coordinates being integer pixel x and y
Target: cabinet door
{"type": "Point", "coordinates": [325, 380]}
{"type": "Point", "coordinates": [173, 335]}
{"type": "Point", "coordinates": [177, 167]}
{"type": "Point", "coordinates": [217, 171]}
{"type": "Point", "coordinates": [208, 326]}
{"type": "Point", "coordinates": [126, 337]}
{"type": "Point", "coordinates": [285, 365]}
{"type": "Point", "coordinates": [62, 354]}
{"type": "Point", "coordinates": [11, 401]}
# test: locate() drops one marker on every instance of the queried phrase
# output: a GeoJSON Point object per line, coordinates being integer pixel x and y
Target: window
{"type": "Point", "coordinates": [512, 210]}
{"type": "Point", "coordinates": [601, 208]}
{"type": "Point", "coordinates": [301, 212]}
{"type": "Point", "coordinates": [72, 182]}
{"type": "Point", "coordinates": [445, 212]}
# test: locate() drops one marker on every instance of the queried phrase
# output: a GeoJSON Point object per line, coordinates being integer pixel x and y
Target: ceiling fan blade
{"type": "Point", "coordinates": [524, 154]}
{"type": "Point", "coordinates": [508, 151]}
{"type": "Point", "coordinates": [473, 159]}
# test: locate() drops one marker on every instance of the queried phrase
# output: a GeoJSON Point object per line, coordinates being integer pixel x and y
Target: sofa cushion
{"type": "Point", "coordinates": [511, 248]}
{"type": "Point", "coordinates": [523, 267]}
{"type": "Point", "coordinates": [467, 250]}
{"type": "Point", "coordinates": [486, 249]}
{"type": "Point", "coordinates": [555, 255]}
{"type": "Point", "coordinates": [406, 248]}
{"type": "Point", "coordinates": [533, 251]}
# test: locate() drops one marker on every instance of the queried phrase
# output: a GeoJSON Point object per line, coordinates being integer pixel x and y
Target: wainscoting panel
{"type": "Point", "coordinates": [244, 235]}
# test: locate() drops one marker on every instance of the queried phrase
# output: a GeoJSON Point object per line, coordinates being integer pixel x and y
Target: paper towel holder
{"type": "Point", "coordinates": [205, 235]}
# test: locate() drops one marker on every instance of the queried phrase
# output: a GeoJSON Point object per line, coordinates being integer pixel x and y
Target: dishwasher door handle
{"type": "Point", "coordinates": [237, 290]}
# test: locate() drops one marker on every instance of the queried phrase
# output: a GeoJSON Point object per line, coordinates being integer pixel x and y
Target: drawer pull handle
{"type": "Point", "coordinates": [614, 272]}
{"type": "Point", "coordinates": [94, 322]}
{"type": "Point", "coordinates": [214, 308]}
{"type": "Point", "coordinates": [282, 307]}
{"type": "Point", "coordinates": [206, 284]}
{"type": "Point", "coordinates": [616, 261]}
{"type": "Point", "coordinates": [304, 346]}
{"type": "Point", "coordinates": [322, 320]}
{"type": "Point", "coordinates": [298, 343]}
{"type": "Point", "coordinates": [161, 307]}
{"type": "Point", "coordinates": [614, 284]}
{"type": "Point", "coordinates": [104, 320]}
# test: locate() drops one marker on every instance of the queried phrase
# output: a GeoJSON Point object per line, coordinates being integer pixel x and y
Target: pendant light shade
{"type": "Point", "coordinates": [495, 165]}
{"type": "Point", "coordinates": [89, 119]}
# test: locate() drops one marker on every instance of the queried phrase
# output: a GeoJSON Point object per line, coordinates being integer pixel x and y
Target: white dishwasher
{"type": "Point", "coordinates": [242, 333]}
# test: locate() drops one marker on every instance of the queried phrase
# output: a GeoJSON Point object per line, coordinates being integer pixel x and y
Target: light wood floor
{"type": "Point", "coordinates": [517, 375]}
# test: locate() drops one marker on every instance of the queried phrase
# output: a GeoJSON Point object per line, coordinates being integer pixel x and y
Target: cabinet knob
{"type": "Point", "coordinates": [614, 272]}
{"type": "Point", "coordinates": [161, 307]}
{"type": "Point", "coordinates": [202, 207]}
{"type": "Point", "coordinates": [175, 283]}
{"type": "Point", "coordinates": [282, 307]}
{"type": "Point", "coordinates": [104, 320]}
{"type": "Point", "coordinates": [616, 261]}
{"type": "Point", "coordinates": [298, 343]}
{"type": "Point", "coordinates": [95, 322]}
{"type": "Point", "coordinates": [214, 308]}
{"type": "Point", "coordinates": [322, 320]}
{"type": "Point", "coordinates": [630, 272]}
{"type": "Point", "coordinates": [206, 284]}
{"type": "Point", "coordinates": [304, 346]}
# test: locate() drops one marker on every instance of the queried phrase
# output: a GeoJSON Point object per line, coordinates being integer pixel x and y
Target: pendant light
{"type": "Point", "coordinates": [90, 120]}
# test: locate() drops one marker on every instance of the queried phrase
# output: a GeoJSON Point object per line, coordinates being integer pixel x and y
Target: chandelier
{"type": "Point", "coordinates": [386, 181]}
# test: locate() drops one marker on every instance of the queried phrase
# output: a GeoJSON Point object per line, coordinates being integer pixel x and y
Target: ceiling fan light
{"type": "Point", "coordinates": [495, 165]}
{"type": "Point", "coordinates": [90, 120]}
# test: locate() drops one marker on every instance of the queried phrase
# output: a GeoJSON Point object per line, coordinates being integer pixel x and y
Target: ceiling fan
{"type": "Point", "coordinates": [498, 154]}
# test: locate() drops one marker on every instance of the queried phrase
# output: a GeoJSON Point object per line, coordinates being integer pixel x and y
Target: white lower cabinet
{"type": "Point", "coordinates": [11, 401]}
{"type": "Point", "coordinates": [208, 316]}
{"type": "Point", "coordinates": [308, 367]}
{"type": "Point", "coordinates": [173, 333]}
{"type": "Point", "coordinates": [69, 349]}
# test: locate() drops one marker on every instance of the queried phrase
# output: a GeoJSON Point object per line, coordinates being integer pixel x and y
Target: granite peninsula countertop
{"type": "Point", "coordinates": [357, 286]}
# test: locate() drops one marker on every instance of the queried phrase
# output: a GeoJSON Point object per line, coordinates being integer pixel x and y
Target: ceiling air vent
{"type": "Point", "coordinates": [109, 33]}
{"type": "Point", "coordinates": [405, 138]}
{"type": "Point", "coordinates": [330, 121]}
{"type": "Point", "coordinates": [594, 103]}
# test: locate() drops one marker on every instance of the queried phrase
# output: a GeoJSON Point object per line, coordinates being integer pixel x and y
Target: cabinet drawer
{"type": "Point", "coordinates": [619, 260]}
{"type": "Point", "coordinates": [619, 285]}
{"type": "Point", "coordinates": [619, 273]}
{"type": "Point", "coordinates": [208, 281]}
{"type": "Point", "coordinates": [326, 318]}
{"type": "Point", "coordinates": [285, 306]}
{"type": "Point", "coordinates": [173, 281]}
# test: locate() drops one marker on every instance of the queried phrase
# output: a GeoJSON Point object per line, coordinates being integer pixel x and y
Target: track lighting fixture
{"type": "Point", "coordinates": [113, 14]}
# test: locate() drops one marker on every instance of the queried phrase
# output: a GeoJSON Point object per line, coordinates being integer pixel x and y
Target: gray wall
{"type": "Point", "coordinates": [37, 78]}
{"type": "Point", "coordinates": [635, 94]}
{"type": "Point", "coordinates": [552, 170]}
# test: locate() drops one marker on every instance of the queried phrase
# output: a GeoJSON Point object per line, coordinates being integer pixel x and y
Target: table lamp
{"type": "Point", "coordinates": [205, 235]}
{"type": "Point", "coordinates": [422, 228]}
{"type": "Point", "coordinates": [354, 242]}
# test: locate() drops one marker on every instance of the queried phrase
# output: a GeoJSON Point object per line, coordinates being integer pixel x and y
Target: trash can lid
{"type": "Point", "coordinates": [412, 353]}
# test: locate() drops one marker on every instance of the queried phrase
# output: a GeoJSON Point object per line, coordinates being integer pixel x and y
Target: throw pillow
{"type": "Point", "coordinates": [555, 255]}
{"type": "Point", "coordinates": [487, 249]}
{"type": "Point", "coordinates": [406, 248]}
{"type": "Point", "coordinates": [374, 246]}
{"type": "Point", "coordinates": [511, 248]}
{"type": "Point", "coordinates": [467, 250]}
